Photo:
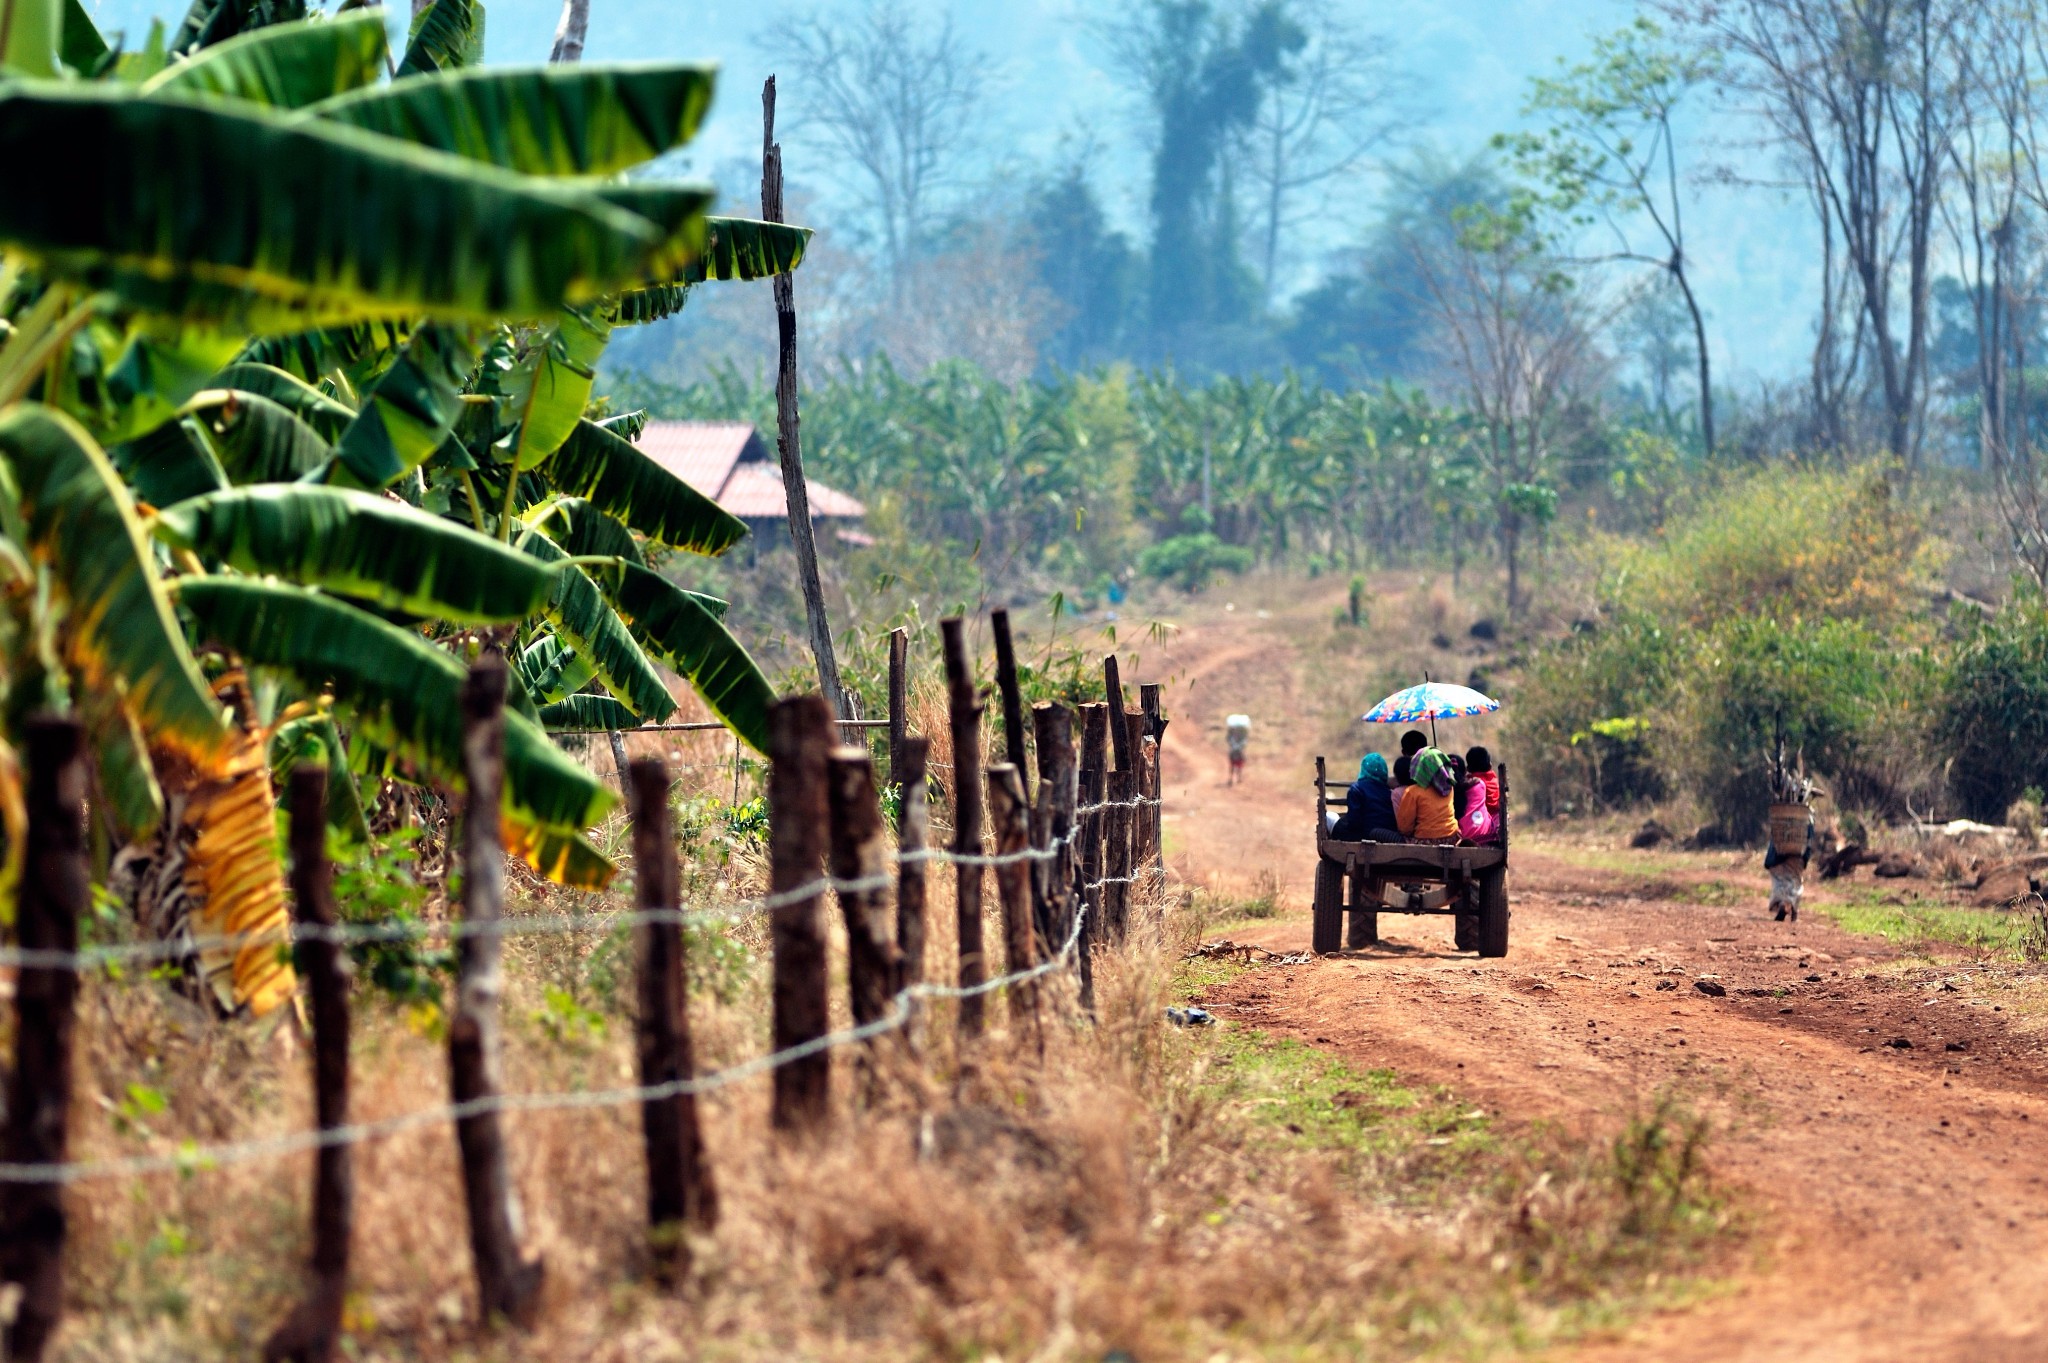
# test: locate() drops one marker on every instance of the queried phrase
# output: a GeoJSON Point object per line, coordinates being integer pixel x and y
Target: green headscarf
{"type": "Point", "coordinates": [1373, 768]}
{"type": "Point", "coordinates": [1430, 764]}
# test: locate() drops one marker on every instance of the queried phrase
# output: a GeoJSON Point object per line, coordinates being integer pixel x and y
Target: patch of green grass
{"type": "Point", "coordinates": [2010, 935]}
{"type": "Point", "coordinates": [1297, 1094]}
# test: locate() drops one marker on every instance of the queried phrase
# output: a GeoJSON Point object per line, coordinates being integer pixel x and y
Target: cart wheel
{"type": "Point", "coordinates": [1465, 932]}
{"type": "Point", "coordinates": [1365, 922]}
{"type": "Point", "coordinates": [1327, 932]}
{"type": "Point", "coordinates": [1493, 912]}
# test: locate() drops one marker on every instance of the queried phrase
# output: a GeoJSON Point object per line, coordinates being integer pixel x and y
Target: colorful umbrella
{"type": "Point", "coordinates": [1431, 701]}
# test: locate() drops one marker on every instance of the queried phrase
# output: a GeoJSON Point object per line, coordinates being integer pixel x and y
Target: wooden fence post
{"type": "Point", "coordinates": [1149, 696]}
{"type": "Point", "coordinates": [899, 700]}
{"type": "Point", "coordinates": [507, 1284]}
{"type": "Point", "coordinates": [913, 833]}
{"type": "Point", "coordinates": [680, 1190]}
{"type": "Point", "coordinates": [1113, 695]}
{"type": "Point", "coordinates": [1054, 734]}
{"type": "Point", "coordinates": [1007, 811]}
{"type": "Point", "coordinates": [799, 737]}
{"type": "Point", "coordinates": [1013, 703]}
{"type": "Point", "coordinates": [1116, 889]}
{"type": "Point", "coordinates": [1145, 862]}
{"type": "Point", "coordinates": [312, 1333]}
{"type": "Point", "coordinates": [1094, 790]}
{"type": "Point", "coordinates": [55, 894]}
{"type": "Point", "coordinates": [860, 852]}
{"type": "Point", "coordinates": [964, 709]}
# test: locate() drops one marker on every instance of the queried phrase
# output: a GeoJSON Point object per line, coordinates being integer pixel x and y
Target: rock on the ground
{"type": "Point", "coordinates": [2004, 881]}
{"type": "Point", "coordinates": [1711, 987]}
{"type": "Point", "coordinates": [1651, 834]}
{"type": "Point", "coordinates": [1898, 866]}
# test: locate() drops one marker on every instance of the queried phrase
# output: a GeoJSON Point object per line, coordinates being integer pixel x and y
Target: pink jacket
{"type": "Point", "coordinates": [1479, 823]}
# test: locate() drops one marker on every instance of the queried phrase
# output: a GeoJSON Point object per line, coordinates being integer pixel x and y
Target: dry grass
{"type": "Point", "coordinates": [1058, 1191]}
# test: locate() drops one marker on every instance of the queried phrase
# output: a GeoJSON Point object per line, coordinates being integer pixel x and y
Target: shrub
{"type": "Point", "coordinates": [1191, 560]}
{"type": "Point", "coordinates": [1993, 711]}
{"type": "Point", "coordinates": [1756, 686]}
{"type": "Point", "coordinates": [1587, 713]}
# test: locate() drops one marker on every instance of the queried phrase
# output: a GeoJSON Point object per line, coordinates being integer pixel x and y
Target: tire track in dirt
{"type": "Point", "coordinates": [1897, 1193]}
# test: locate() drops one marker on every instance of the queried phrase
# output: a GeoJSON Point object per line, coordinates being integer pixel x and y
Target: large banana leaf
{"type": "Point", "coordinates": [562, 369]}
{"type": "Point", "coordinates": [410, 409]}
{"type": "Point", "coordinates": [540, 120]}
{"type": "Point", "coordinates": [287, 66]}
{"type": "Point", "coordinates": [119, 630]}
{"type": "Point", "coordinates": [81, 45]}
{"type": "Point", "coordinates": [314, 738]}
{"type": "Point", "coordinates": [652, 303]}
{"type": "Point", "coordinates": [684, 631]}
{"type": "Point", "coordinates": [170, 463]}
{"type": "Point", "coordinates": [584, 531]}
{"type": "Point", "coordinates": [629, 485]}
{"type": "Point", "coordinates": [402, 692]}
{"type": "Point", "coordinates": [324, 414]}
{"type": "Point", "coordinates": [747, 248]}
{"type": "Point", "coordinates": [159, 369]}
{"type": "Point", "coordinates": [364, 546]}
{"type": "Point", "coordinates": [120, 756]}
{"type": "Point", "coordinates": [257, 440]}
{"type": "Point", "coordinates": [446, 35]}
{"type": "Point", "coordinates": [235, 876]}
{"type": "Point", "coordinates": [583, 618]}
{"type": "Point", "coordinates": [30, 33]}
{"type": "Point", "coordinates": [584, 713]}
{"type": "Point", "coordinates": [354, 352]}
{"type": "Point", "coordinates": [210, 208]}
{"type": "Point", "coordinates": [214, 21]}
{"type": "Point", "coordinates": [551, 669]}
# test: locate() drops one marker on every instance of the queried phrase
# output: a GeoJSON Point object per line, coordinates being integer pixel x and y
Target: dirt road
{"type": "Point", "coordinates": [1887, 1130]}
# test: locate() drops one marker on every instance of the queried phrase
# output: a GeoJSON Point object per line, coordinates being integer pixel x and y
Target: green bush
{"type": "Point", "coordinates": [1992, 715]}
{"type": "Point", "coordinates": [1191, 560]}
{"type": "Point", "coordinates": [1753, 687]}
{"type": "Point", "coordinates": [1587, 714]}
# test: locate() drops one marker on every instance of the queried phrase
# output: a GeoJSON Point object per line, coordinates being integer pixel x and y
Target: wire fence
{"type": "Point", "coordinates": [193, 1157]}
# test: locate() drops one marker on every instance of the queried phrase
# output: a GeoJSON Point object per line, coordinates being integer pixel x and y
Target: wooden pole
{"type": "Point", "coordinates": [680, 1190]}
{"type": "Point", "coordinates": [55, 895]}
{"type": "Point", "coordinates": [799, 738]}
{"type": "Point", "coordinates": [860, 852]}
{"type": "Point", "coordinates": [1013, 702]}
{"type": "Point", "coordinates": [1008, 813]}
{"type": "Point", "coordinates": [1094, 790]}
{"type": "Point", "coordinates": [312, 1333]}
{"type": "Point", "coordinates": [899, 700]}
{"type": "Point", "coordinates": [1116, 869]}
{"type": "Point", "coordinates": [964, 711]}
{"type": "Point", "coordinates": [1136, 725]}
{"type": "Point", "coordinates": [619, 761]}
{"type": "Point", "coordinates": [1113, 694]}
{"type": "Point", "coordinates": [507, 1284]}
{"type": "Point", "coordinates": [1150, 699]}
{"type": "Point", "coordinates": [1145, 859]}
{"type": "Point", "coordinates": [913, 834]}
{"type": "Point", "coordinates": [1053, 732]}
{"type": "Point", "coordinates": [788, 437]}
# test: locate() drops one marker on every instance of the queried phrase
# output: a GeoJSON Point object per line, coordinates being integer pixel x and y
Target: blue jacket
{"type": "Point", "coordinates": [1368, 805]}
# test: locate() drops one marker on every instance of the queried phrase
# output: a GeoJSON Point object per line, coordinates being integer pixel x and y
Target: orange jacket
{"type": "Point", "coordinates": [1420, 812]}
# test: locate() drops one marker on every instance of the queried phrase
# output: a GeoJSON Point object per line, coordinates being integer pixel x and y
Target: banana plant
{"type": "Point", "coordinates": [317, 351]}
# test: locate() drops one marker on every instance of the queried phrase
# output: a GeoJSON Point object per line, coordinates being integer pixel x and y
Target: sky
{"type": "Point", "coordinates": [1467, 62]}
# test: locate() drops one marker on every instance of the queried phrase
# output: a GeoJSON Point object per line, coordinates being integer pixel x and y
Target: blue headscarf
{"type": "Point", "coordinates": [1373, 768]}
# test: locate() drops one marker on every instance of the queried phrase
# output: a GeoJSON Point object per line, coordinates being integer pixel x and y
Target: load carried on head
{"type": "Point", "coordinates": [1237, 736]}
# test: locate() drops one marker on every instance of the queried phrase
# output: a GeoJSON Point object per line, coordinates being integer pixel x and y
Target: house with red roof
{"type": "Point", "coordinates": [728, 462]}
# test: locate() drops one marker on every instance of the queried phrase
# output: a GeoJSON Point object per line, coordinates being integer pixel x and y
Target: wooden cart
{"type": "Point", "coordinates": [1367, 879]}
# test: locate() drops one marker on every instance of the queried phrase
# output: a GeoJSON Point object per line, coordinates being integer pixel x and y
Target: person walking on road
{"type": "Point", "coordinates": [1237, 736]}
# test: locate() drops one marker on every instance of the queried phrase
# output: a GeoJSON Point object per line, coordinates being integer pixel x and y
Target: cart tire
{"type": "Point", "coordinates": [1327, 932]}
{"type": "Point", "coordinates": [1465, 932]}
{"type": "Point", "coordinates": [1493, 912]}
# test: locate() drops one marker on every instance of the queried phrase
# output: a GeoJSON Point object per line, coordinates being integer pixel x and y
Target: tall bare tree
{"type": "Point", "coordinates": [575, 22]}
{"type": "Point", "coordinates": [890, 103]}
{"type": "Point", "coordinates": [1862, 95]}
{"type": "Point", "coordinates": [1321, 117]}
{"type": "Point", "coordinates": [1606, 153]}
{"type": "Point", "coordinates": [1515, 341]}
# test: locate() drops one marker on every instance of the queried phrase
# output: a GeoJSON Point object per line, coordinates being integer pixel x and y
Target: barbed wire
{"type": "Point", "coordinates": [137, 954]}
{"type": "Point", "coordinates": [193, 1158]}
